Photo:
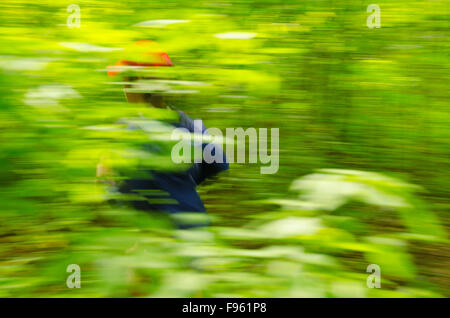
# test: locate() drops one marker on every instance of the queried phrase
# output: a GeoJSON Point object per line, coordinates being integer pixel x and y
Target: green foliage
{"type": "Point", "coordinates": [344, 96]}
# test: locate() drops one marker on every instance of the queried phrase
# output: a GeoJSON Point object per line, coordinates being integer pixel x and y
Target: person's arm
{"type": "Point", "coordinates": [204, 170]}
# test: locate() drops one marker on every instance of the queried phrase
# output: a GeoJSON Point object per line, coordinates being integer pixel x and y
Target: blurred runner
{"type": "Point", "coordinates": [172, 192]}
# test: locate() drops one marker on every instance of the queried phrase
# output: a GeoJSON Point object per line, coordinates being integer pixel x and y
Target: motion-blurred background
{"type": "Point", "coordinates": [364, 148]}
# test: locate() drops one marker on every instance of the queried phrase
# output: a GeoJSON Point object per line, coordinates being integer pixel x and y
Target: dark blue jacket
{"type": "Point", "coordinates": [175, 192]}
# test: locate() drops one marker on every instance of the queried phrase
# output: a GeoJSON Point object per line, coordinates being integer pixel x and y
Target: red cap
{"type": "Point", "coordinates": [142, 53]}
